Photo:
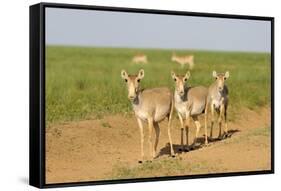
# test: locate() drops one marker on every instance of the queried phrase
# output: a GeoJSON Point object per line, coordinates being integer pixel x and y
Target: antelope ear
{"type": "Point", "coordinates": [124, 74]}
{"type": "Point", "coordinates": [187, 75]}
{"type": "Point", "coordinates": [214, 74]}
{"type": "Point", "coordinates": [141, 74]}
{"type": "Point", "coordinates": [226, 75]}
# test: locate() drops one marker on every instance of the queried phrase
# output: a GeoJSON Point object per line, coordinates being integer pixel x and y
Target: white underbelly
{"type": "Point", "coordinates": [216, 104]}
{"type": "Point", "coordinates": [157, 117]}
{"type": "Point", "coordinates": [142, 115]}
{"type": "Point", "coordinates": [181, 109]}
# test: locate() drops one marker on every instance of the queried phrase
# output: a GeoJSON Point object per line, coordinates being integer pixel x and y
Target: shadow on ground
{"type": "Point", "coordinates": [199, 144]}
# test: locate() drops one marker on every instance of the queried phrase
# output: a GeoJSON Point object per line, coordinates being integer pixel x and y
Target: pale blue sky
{"type": "Point", "coordinates": [138, 30]}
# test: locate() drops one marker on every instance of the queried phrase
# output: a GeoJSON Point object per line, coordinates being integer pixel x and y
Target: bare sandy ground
{"type": "Point", "coordinates": [109, 148]}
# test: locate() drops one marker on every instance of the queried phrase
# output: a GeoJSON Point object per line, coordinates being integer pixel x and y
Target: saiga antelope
{"type": "Point", "coordinates": [218, 101]}
{"type": "Point", "coordinates": [190, 102]}
{"type": "Point", "coordinates": [184, 60]}
{"type": "Point", "coordinates": [150, 105]}
{"type": "Point", "coordinates": [140, 58]}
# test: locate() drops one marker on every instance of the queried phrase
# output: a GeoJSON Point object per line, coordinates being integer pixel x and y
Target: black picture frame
{"type": "Point", "coordinates": [37, 93]}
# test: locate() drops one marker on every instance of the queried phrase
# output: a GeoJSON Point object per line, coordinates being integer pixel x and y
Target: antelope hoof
{"type": "Point", "coordinates": [206, 143]}
{"type": "Point", "coordinates": [226, 135]}
{"type": "Point", "coordinates": [187, 149]}
{"type": "Point", "coordinates": [192, 147]}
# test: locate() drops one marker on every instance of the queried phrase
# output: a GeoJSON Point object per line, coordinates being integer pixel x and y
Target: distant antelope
{"type": "Point", "coordinates": [150, 105]}
{"type": "Point", "coordinates": [190, 102]}
{"type": "Point", "coordinates": [184, 60]}
{"type": "Point", "coordinates": [218, 101]}
{"type": "Point", "coordinates": [140, 58]}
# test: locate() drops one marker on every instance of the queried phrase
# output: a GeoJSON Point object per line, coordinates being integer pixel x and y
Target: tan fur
{"type": "Point", "coordinates": [184, 60]}
{"type": "Point", "coordinates": [190, 102]}
{"type": "Point", "coordinates": [140, 59]}
{"type": "Point", "coordinates": [151, 106]}
{"type": "Point", "coordinates": [218, 101]}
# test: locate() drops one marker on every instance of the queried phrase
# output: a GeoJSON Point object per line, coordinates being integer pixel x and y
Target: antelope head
{"type": "Point", "coordinates": [180, 82]}
{"type": "Point", "coordinates": [133, 83]}
{"type": "Point", "coordinates": [220, 79]}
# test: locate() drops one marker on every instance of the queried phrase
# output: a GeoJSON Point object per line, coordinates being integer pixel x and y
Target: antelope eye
{"type": "Point", "coordinates": [224, 78]}
{"type": "Point", "coordinates": [216, 78]}
{"type": "Point", "coordinates": [126, 80]}
{"type": "Point", "coordinates": [185, 79]}
{"type": "Point", "coordinates": [175, 79]}
{"type": "Point", "coordinates": [138, 80]}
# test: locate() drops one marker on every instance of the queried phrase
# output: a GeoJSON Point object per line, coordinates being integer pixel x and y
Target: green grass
{"type": "Point", "coordinates": [255, 136]}
{"type": "Point", "coordinates": [105, 125]}
{"type": "Point", "coordinates": [85, 82]}
{"type": "Point", "coordinates": [165, 167]}
{"type": "Point", "coordinates": [264, 131]}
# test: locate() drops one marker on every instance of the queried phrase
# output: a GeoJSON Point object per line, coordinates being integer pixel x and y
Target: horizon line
{"type": "Point", "coordinates": [158, 48]}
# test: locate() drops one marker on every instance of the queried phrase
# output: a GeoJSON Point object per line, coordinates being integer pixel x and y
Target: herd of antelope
{"type": "Point", "coordinates": [141, 58]}
{"type": "Point", "coordinates": [155, 104]}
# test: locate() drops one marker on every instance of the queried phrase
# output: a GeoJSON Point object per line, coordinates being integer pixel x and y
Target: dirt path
{"type": "Point", "coordinates": [109, 148]}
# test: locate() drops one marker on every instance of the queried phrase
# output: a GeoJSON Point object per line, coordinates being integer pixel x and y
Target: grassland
{"type": "Point", "coordinates": [85, 83]}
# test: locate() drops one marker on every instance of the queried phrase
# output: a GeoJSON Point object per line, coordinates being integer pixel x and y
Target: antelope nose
{"type": "Point", "coordinates": [131, 97]}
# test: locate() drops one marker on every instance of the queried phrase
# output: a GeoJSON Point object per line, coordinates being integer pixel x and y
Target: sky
{"type": "Point", "coordinates": [138, 30]}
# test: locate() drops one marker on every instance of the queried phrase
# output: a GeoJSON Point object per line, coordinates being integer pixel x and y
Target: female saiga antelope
{"type": "Point", "coordinates": [218, 101]}
{"type": "Point", "coordinates": [140, 58]}
{"type": "Point", "coordinates": [190, 102]}
{"type": "Point", "coordinates": [150, 105]}
{"type": "Point", "coordinates": [183, 60]}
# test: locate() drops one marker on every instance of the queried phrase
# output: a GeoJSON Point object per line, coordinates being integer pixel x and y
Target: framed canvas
{"type": "Point", "coordinates": [131, 95]}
